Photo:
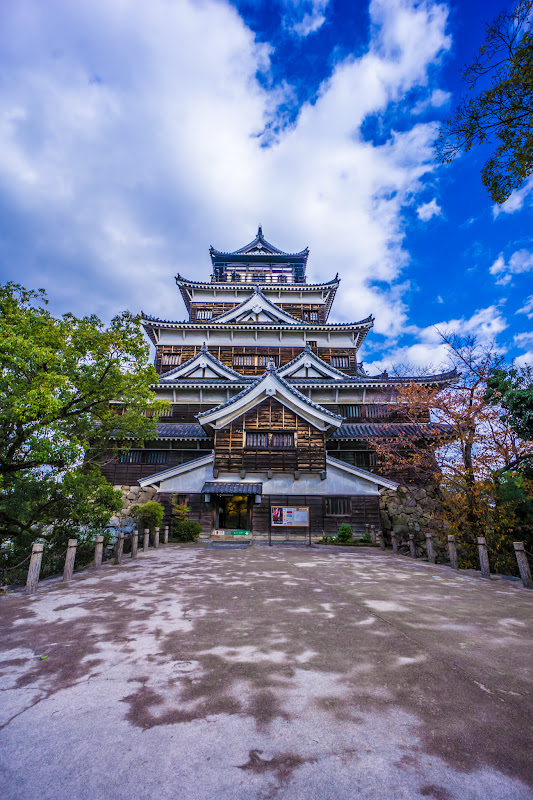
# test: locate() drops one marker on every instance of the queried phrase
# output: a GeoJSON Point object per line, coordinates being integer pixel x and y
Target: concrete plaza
{"type": "Point", "coordinates": [294, 673]}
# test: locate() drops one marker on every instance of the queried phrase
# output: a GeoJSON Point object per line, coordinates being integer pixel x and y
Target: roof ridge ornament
{"type": "Point", "coordinates": [203, 348]}
{"type": "Point", "coordinates": [271, 367]}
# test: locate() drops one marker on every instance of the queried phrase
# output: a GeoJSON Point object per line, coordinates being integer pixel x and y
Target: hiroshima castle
{"type": "Point", "coordinates": [272, 416]}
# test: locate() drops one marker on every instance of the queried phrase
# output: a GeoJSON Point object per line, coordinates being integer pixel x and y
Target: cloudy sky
{"type": "Point", "coordinates": [133, 135]}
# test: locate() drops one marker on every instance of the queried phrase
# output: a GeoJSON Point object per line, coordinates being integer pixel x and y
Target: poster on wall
{"type": "Point", "coordinates": [288, 515]}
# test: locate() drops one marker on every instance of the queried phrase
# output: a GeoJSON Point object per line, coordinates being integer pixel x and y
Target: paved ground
{"type": "Point", "coordinates": [197, 674]}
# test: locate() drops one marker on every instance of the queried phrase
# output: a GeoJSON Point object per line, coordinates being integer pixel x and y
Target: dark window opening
{"type": "Point", "coordinates": [340, 362]}
{"type": "Point", "coordinates": [337, 506]}
{"type": "Point", "coordinates": [351, 411]}
{"type": "Point", "coordinates": [261, 440]}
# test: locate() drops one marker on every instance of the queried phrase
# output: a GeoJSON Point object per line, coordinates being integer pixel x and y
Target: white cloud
{"type": "Point", "coordinates": [305, 16]}
{"type": "Point", "coordinates": [523, 339]}
{"type": "Point", "coordinates": [520, 261]}
{"type": "Point", "coordinates": [431, 352]}
{"type": "Point", "coordinates": [436, 99]}
{"type": "Point", "coordinates": [515, 201]}
{"type": "Point", "coordinates": [527, 308]}
{"type": "Point", "coordinates": [525, 360]}
{"type": "Point", "coordinates": [428, 210]}
{"type": "Point", "coordinates": [132, 137]}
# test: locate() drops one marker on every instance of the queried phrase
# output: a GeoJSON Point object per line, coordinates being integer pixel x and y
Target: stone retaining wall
{"type": "Point", "coordinates": [414, 509]}
{"type": "Point", "coordinates": [136, 495]}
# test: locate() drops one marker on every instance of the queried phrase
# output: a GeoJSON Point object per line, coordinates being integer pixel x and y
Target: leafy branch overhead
{"type": "Point", "coordinates": [500, 114]}
{"type": "Point", "coordinates": [70, 390]}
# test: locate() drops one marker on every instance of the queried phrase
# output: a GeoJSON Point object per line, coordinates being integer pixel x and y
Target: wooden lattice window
{"type": "Point", "coordinates": [204, 313]}
{"type": "Point", "coordinates": [311, 316]}
{"type": "Point", "coordinates": [337, 506]}
{"type": "Point", "coordinates": [251, 361]}
{"type": "Point", "coordinates": [340, 362]}
{"type": "Point", "coordinates": [351, 411]}
{"type": "Point", "coordinates": [257, 440]}
{"type": "Point", "coordinates": [171, 359]}
{"type": "Point", "coordinates": [282, 441]}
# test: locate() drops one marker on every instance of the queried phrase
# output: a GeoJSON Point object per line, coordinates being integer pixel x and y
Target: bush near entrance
{"type": "Point", "coordinates": [344, 534]}
{"type": "Point", "coordinates": [188, 531]}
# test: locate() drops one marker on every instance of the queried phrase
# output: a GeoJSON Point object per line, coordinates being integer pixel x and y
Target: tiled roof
{"type": "Point", "coordinates": [376, 430]}
{"type": "Point", "coordinates": [182, 430]}
{"type": "Point", "coordinates": [219, 487]}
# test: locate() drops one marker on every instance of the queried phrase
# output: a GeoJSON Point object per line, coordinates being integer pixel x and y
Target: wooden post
{"type": "Point", "coordinates": [412, 545]}
{"type": "Point", "coordinates": [523, 564]}
{"type": "Point", "coordinates": [69, 560]}
{"type": "Point", "coordinates": [394, 539]}
{"type": "Point", "coordinates": [119, 547]}
{"type": "Point", "coordinates": [165, 535]}
{"type": "Point", "coordinates": [429, 547]}
{"type": "Point", "coordinates": [452, 551]}
{"type": "Point", "coordinates": [373, 534]}
{"type": "Point", "coordinates": [98, 552]}
{"type": "Point", "coordinates": [156, 537]}
{"type": "Point", "coordinates": [146, 539]}
{"type": "Point", "coordinates": [34, 569]}
{"type": "Point", "coordinates": [381, 540]}
{"type": "Point", "coordinates": [483, 556]}
{"type": "Point", "coordinates": [134, 543]}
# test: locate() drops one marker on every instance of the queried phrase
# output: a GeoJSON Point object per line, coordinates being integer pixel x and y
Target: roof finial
{"type": "Point", "coordinates": [204, 348]}
{"type": "Point", "coordinates": [307, 348]}
{"type": "Point", "coordinates": [271, 366]}
{"type": "Point", "coordinates": [260, 230]}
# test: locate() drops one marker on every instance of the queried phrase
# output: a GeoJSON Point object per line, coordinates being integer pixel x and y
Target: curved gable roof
{"type": "Point", "coordinates": [258, 246]}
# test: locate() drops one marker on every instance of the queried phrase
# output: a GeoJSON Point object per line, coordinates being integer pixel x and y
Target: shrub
{"type": "Point", "coordinates": [148, 515]}
{"type": "Point", "coordinates": [366, 537]}
{"type": "Point", "coordinates": [187, 531]}
{"type": "Point", "coordinates": [344, 534]}
{"type": "Point", "coordinates": [180, 511]}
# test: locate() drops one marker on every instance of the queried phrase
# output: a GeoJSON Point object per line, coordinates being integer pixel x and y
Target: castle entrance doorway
{"type": "Point", "coordinates": [234, 512]}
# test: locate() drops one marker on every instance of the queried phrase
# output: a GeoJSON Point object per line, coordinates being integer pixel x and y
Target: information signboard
{"type": "Point", "coordinates": [290, 516]}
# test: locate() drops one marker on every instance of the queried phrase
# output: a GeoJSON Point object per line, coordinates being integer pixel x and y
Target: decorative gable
{"type": "Point", "coordinates": [258, 308]}
{"type": "Point", "coordinates": [270, 385]}
{"type": "Point", "coordinates": [202, 365]}
{"type": "Point", "coordinates": [309, 365]}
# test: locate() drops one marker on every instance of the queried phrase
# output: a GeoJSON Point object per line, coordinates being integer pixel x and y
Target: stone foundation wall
{"type": "Point", "coordinates": [136, 495]}
{"type": "Point", "coordinates": [414, 509]}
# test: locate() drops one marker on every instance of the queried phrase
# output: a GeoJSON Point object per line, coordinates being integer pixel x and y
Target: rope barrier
{"type": "Point", "coordinates": [10, 569]}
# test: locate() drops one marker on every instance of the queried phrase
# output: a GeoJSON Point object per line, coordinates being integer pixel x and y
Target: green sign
{"type": "Point", "coordinates": [240, 533]}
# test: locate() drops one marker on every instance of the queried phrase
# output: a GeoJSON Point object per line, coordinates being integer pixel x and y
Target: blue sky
{"type": "Point", "coordinates": [134, 135]}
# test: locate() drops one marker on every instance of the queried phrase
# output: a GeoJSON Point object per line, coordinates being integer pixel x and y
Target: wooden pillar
{"type": "Point", "coordinates": [134, 543]}
{"type": "Point", "coordinates": [165, 535]}
{"type": "Point", "coordinates": [523, 564]}
{"type": "Point", "coordinates": [373, 534]}
{"type": "Point", "coordinates": [98, 552]}
{"type": "Point", "coordinates": [483, 556]}
{"type": "Point", "coordinates": [119, 547]}
{"type": "Point", "coordinates": [394, 539]}
{"type": "Point", "coordinates": [452, 552]}
{"type": "Point", "coordinates": [34, 569]}
{"type": "Point", "coordinates": [412, 545]}
{"type": "Point", "coordinates": [146, 539]}
{"type": "Point", "coordinates": [69, 560]}
{"type": "Point", "coordinates": [429, 547]}
{"type": "Point", "coordinates": [156, 537]}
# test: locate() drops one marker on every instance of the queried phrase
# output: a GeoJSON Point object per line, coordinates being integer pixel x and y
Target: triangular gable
{"type": "Point", "coordinates": [202, 365]}
{"type": "Point", "coordinates": [343, 466]}
{"type": "Point", "coordinates": [309, 365]}
{"type": "Point", "coordinates": [258, 308]}
{"type": "Point", "coordinates": [269, 385]}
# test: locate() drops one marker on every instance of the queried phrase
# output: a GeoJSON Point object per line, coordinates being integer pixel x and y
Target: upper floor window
{"type": "Point", "coordinates": [351, 411]}
{"type": "Point", "coordinates": [310, 316]}
{"type": "Point", "coordinates": [340, 362]}
{"type": "Point", "coordinates": [171, 359]}
{"type": "Point", "coordinates": [278, 440]}
{"type": "Point", "coordinates": [251, 360]}
{"type": "Point", "coordinates": [204, 313]}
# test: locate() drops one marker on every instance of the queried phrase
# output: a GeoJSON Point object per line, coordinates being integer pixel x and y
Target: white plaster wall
{"type": "Point", "coordinates": [265, 338]}
{"type": "Point", "coordinates": [338, 482]}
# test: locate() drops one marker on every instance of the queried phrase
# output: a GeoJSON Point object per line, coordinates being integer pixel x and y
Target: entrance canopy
{"type": "Point", "coordinates": [232, 488]}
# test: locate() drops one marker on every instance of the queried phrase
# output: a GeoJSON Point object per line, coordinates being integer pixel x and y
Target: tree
{"type": "Point", "coordinates": [512, 390]}
{"type": "Point", "coordinates": [148, 515]}
{"type": "Point", "coordinates": [473, 461]}
{"type": "Point", "coordinates": [501, 113]}
{"type": "Point", "coordinates": [70, 390]}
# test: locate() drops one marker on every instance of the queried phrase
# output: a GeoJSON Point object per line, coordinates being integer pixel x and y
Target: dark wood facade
{"type": "Point", "coordinates": [170, 356]}
{"type": "Point", "coordinates": [248, 443]}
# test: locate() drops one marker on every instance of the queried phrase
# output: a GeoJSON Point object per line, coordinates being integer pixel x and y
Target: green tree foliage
{"type": "Point", "coordinates": [501, 113]}
{"type": "Point", "coordinates": [512, 390]}
{"type": "Point", "coordinates": [70, 390]}
{"type": "Point", "coordinates": [187, 531]}
{"type": "Point", "coordinates": [148, 515]}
